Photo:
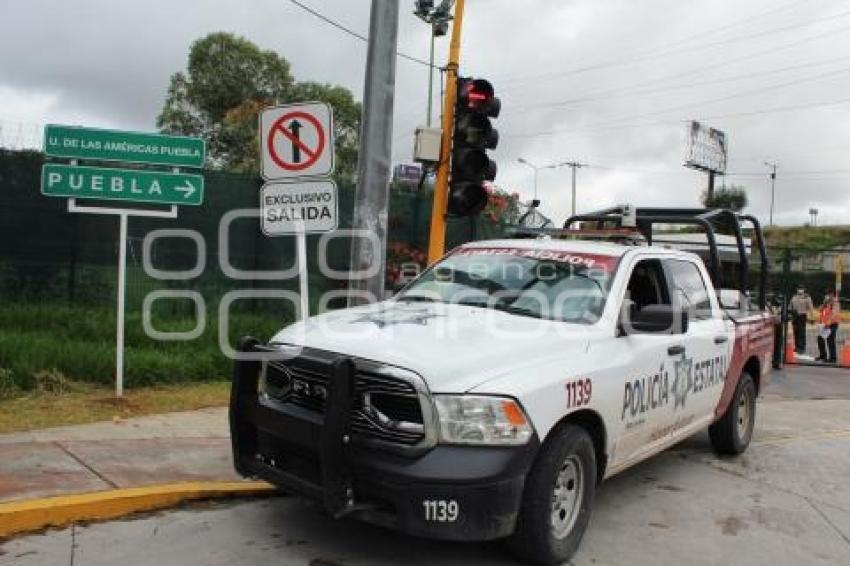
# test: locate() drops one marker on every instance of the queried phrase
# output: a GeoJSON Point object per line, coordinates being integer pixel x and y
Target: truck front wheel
{"type": "Point", "coordinates": [558, 497]}
{"type": "Point", "coordinates": [732, 433]}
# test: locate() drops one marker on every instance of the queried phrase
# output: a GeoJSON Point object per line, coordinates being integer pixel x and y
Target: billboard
{"type": "Point", "coordinates": [407, 174]}
{"type": "Point", "coordinates": [707, 149]}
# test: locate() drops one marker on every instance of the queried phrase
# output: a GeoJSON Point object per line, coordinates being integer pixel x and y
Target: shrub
{"type": "Point", "coordinates": [51, 381]}
{"type": "Point", "coordinates": [8, 386]}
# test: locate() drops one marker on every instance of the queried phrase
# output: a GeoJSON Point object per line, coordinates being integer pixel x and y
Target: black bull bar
{"type": "Point", "coordinates": [336, 488]}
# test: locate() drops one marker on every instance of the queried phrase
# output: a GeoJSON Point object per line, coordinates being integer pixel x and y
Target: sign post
{"type": "Point", "coordinates": [297, 143]}
{"type": "Point", "coordinates": [122, 298]}
{"type": "Point", "coordinates": [73, 181]}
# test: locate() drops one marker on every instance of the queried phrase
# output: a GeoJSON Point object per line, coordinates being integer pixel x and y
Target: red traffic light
{"type": "Point", "coordinates": [478, 95]}
{"type": "Point", "coordinates": [473, 134]}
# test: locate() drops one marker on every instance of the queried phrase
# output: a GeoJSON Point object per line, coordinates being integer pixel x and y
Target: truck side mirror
{"type": "Point", "coordinates": [657, 319]}
{"type": "Point", "coordinates": [732, 299]}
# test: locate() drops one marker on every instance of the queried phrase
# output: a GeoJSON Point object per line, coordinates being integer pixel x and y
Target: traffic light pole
{"type": "Point", "coordinates": [437, 238]}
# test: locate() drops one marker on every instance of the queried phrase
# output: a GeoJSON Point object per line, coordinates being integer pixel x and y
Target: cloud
{"type": "Point", "coordinates": [611, 84]}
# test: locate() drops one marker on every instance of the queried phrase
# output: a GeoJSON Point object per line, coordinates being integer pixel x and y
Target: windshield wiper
{"type": "Point", "coordinates": [502, 307]}
{"type": "Point", "coordinates": [418, 298]}
{"type": "Point", "coordinates": [517, 310]}
{"type": "Point", "coordinates": [477, 304]}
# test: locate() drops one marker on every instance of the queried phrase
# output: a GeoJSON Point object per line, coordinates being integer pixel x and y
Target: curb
{"type": "Point", "coordinates": [36, 514]}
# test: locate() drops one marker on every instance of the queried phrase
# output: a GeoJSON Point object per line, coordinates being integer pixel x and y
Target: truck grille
{"type": "Point", "coordinates": [385, 408]}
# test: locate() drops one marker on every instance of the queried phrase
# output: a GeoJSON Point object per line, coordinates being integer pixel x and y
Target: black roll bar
{"type": "Point", "coordinates": [739, 240]}
{"type": "Point", "coordinates": [644, 224]}
{"type": "Point", "coordinates": [708, 220]}
{"type": "Point", "coordinates": [765, 261]}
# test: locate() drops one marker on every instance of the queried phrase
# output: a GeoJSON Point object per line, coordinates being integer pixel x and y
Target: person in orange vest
{"type": "Point", "coordinates": [830, 312]}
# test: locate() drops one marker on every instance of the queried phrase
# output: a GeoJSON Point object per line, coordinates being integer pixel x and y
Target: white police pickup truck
{"type": "Point", "coordinates": [491, 396]}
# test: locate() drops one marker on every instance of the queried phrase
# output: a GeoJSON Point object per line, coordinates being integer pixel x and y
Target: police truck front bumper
{"type": "Point", "coordinates": [439, 491]}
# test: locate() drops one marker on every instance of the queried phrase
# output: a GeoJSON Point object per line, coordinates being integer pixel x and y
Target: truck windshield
{"type": "Point", "coordinates": [548, 284]}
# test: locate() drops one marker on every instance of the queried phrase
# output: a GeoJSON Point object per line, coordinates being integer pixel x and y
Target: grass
{"type": "Point", "coordinates": [85, 403]}
{"type": "Point", "coordinates": [807, 237]}
{"type": "Point", "coordinates": [78, 343]}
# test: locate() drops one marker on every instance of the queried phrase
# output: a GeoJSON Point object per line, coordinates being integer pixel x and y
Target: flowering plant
{"type": "Point", "coordinates": [502, 206]}
{"type": "Point", "coordinates": [404, 262]}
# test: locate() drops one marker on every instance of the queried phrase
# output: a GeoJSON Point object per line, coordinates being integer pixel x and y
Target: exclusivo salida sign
{"type": "Point", "coordinates": [308, 206]}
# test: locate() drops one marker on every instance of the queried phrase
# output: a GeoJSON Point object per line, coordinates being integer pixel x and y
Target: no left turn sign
{"type": "Point", "coordinates": [296, 140]}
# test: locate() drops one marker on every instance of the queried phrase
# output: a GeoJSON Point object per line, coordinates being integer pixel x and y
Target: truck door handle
{"type": "Point", "coordinates": [720, 339]}
{"type": "Point", "coordinates": [676, 350]}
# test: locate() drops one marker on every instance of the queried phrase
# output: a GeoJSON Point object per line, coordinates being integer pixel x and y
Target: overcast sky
{"type": "Point", "coordinates": [611, 83]}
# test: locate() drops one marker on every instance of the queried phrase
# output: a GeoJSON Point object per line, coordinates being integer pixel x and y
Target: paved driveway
{"type": "Point", "coordinates": [786, 501]}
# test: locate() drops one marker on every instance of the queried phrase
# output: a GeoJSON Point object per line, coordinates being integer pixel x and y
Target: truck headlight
{"type": "Point", "coordinates": [475, 419]}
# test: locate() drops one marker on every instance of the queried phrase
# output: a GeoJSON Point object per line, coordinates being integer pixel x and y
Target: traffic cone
{"type": "Point", "coordinates": [844, 357]}
{"type": "Point", "coordinates": [790, 351]}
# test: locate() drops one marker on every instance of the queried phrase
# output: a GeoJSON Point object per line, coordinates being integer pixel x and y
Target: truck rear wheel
{"type": "Point", "coordinates": [558, 498]}
{"type": "Point", "coordinates": [732, 433]}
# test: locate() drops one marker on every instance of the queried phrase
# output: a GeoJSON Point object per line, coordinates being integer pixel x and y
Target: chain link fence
{"type": "Point", "coordinates": [58, 274]}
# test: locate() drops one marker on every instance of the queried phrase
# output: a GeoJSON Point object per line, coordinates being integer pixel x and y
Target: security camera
{"type": "Point", "coordinates": [423, 8]}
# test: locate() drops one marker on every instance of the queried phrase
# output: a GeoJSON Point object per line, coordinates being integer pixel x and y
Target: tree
{"type": "Point", "coordinates": [346, 122]}
{"type": "Point", "coordinates": [229, 80]}
{"type": "Point", "coordinates": [733, 197]}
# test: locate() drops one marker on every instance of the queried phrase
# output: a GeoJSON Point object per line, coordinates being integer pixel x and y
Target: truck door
{"type": "Point", "coordinates": [648, 364]}
{"type": "Point", "coordinates": [700, 368]}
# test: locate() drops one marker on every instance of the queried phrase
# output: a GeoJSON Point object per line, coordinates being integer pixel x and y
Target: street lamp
{"type": "Point", "coordinates": [439, 19]}
{"type": "Point", "coordinates": [535, 168]}
{"type": "Point", "coordinates": [572, 164]}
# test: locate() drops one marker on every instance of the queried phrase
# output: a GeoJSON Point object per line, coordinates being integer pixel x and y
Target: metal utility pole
{"type": "Point", "coordinates": [430, 82]}
{"type": "Point", "coordinates": [772, 166]}
{"type": "Point", "coordinates": [372, 196]}
{"type": "Point", "coordinates": [573, 165]}
{"type": "Point", "coordinates": [438, 18]}
{"type": "Point", "coordinates": [437, 238]}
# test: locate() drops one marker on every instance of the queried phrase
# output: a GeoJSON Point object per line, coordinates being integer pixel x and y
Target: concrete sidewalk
{"type": "Point", "coordinates": [159, 449]}
{"type": "Point", "coordinates": [195, 446]}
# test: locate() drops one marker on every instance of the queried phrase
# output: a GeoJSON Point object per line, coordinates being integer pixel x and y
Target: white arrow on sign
{"type": "Point", "coordinates": [187, 190]}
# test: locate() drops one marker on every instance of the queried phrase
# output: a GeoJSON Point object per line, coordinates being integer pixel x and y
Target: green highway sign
{"type": "Point", "coordinates": [113, 145]}
{"type": "Point", "coordinates": [72, 181]}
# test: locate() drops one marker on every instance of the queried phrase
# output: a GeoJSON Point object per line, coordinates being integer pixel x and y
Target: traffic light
{"type": "Point", "coordinates": [473, 136]}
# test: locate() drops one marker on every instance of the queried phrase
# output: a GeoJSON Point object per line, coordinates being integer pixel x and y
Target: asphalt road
{"type": "Point", "coordinates": [786, 501]}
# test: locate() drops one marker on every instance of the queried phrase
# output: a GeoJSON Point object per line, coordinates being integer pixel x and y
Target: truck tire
{"type": "Point", "coordinates": [732, 433]}
{"type": "Point", "coordinates": [557, 499]}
